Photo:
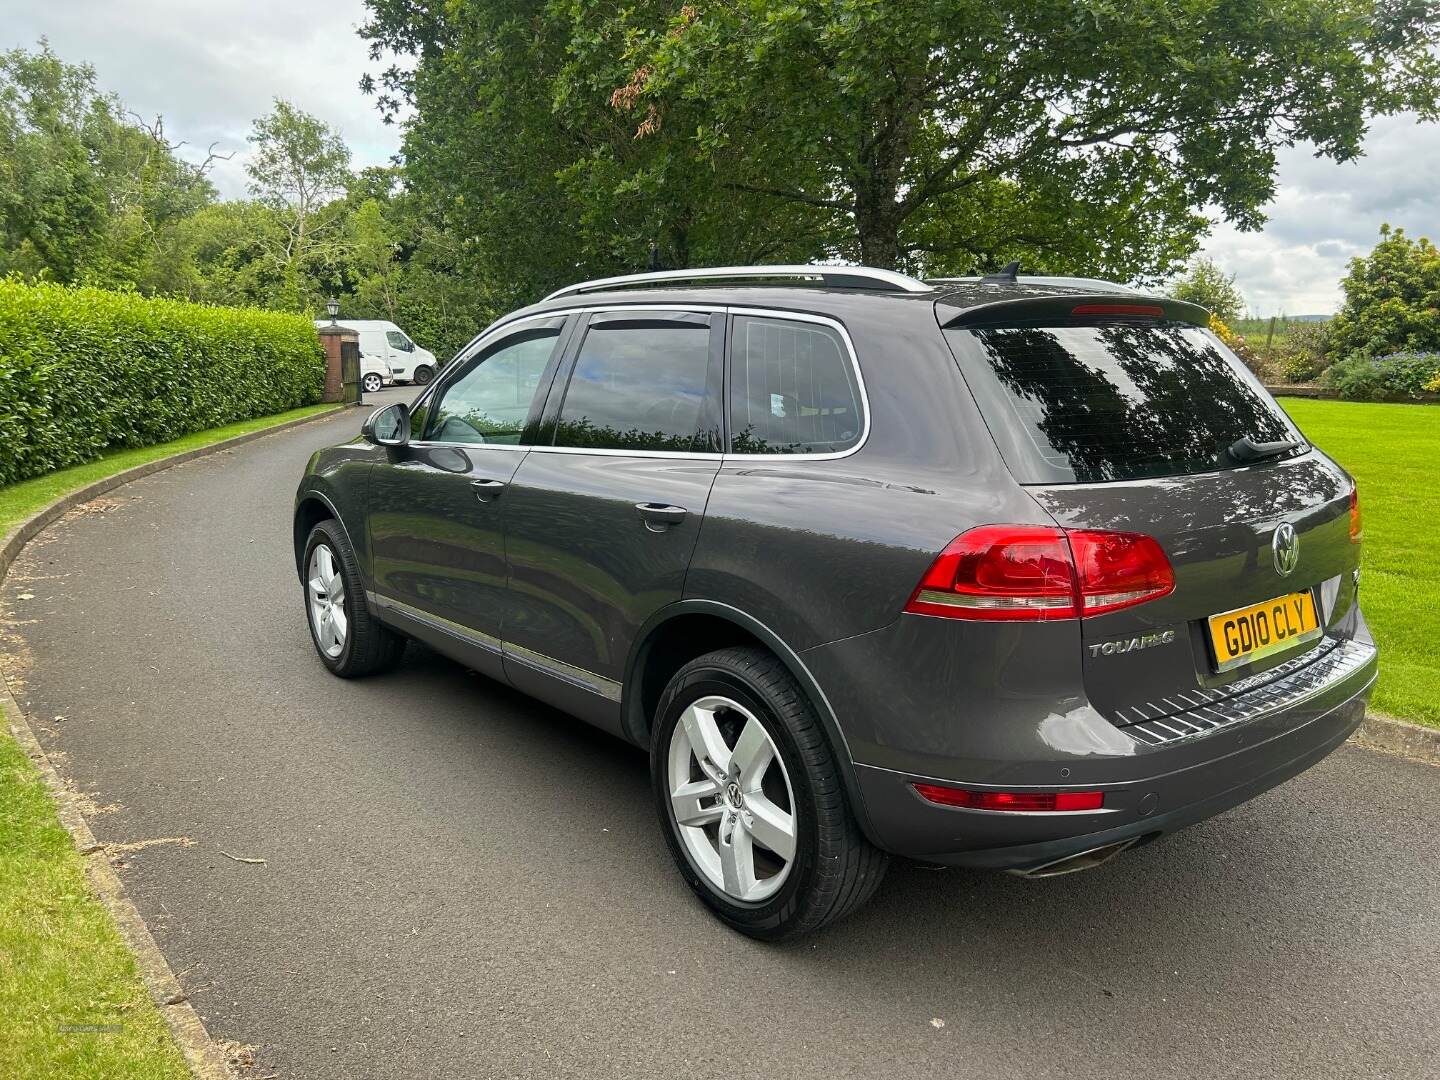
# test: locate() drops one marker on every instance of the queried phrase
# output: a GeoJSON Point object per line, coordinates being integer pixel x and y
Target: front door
{"type": "Point", "coordinates": [437, 507]}
{"type": "Point", "coordinates": [603, 514]}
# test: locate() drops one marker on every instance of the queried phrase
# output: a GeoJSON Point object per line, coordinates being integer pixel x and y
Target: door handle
{"type": "Point", "coordinates": [658, 516]}
{"type": "Point", "coordinates": [485, 490]}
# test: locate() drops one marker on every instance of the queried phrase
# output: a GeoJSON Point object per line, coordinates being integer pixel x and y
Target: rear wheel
{"type": "Point", "coordinates": [424, 373]}
{"type": "Point", "coordinates": [372, 383]}
{"type": "Point", "coordinates": [350, 641]}
{"type": "Point", "coordinates": [750, 798]}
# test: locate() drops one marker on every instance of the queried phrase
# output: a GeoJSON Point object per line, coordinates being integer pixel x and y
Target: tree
{"type": "Point", "coordinates": [87, 191]}
{"type": "Point", "coordinates": [1209, 286]}
{"type": "Point", "coordinates": [1392, 299]}
{"type": "Point", "coordinates": [522, 149]}
{"type": "Point", "coordinates": [1073, 134]}
{"type": "Point", "coordinates": [300, 165]}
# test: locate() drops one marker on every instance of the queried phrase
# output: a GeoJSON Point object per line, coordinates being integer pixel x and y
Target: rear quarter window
{"type": "Point", "coordinates": [793, 388]}
{"type": "Point", "coordinates": [1081, 404]}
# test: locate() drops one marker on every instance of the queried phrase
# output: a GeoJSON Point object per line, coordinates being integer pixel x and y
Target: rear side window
{"type": "Point", "coordinates": [641, 385]}
{"type": "Point", "coordinates": [1114, 402]}
{"type": "Point", "coordinates": [792, 389]}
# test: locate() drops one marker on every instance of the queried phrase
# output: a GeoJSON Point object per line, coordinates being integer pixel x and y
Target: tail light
{"type": "Point", "coordinates": [1033, 801]}
{"type": "Point", "coordinates": [1356, 532]}
{"type": "Point", "coordinates": [1034, 573]}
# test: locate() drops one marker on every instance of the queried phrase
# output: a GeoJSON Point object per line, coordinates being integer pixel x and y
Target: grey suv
{"type": "Point", "coordinates": [1009, 572]}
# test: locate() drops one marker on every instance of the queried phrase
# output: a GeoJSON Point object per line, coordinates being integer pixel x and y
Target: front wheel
{"type": "Point", "coordinates": [751, 801]}
{"type": "Point", "coordinates": [423, 374]}
{"type": "Point", "coordinates": [348, 638]}
{"type": "Point", "coordinates": [372, 383]}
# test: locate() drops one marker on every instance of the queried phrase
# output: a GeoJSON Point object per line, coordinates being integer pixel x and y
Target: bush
{"type": "Point", "coordinates": [1238, 345]}
{"type": "Point", "coordinates": [1388, 378]}
{"type": "Point", "coordinates": [84, 371]}
{"type": "Point", "coordinates": [1304, 354]}
{"type": "Point", "coordinates": [1392, 299]}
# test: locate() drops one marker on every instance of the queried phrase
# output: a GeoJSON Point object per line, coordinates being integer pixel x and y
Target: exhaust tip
{"type": "Point", "coordinates": [1070, 864]}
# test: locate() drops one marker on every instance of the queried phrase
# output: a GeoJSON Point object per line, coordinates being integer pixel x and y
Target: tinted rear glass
{"type": "Point", "coordinates": [1114, 402]}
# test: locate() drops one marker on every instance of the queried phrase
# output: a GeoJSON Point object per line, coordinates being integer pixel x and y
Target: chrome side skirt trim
{"type": "Point", "coordinates": [546, 665]}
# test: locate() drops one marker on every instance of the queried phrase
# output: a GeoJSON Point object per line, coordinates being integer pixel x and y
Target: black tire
{"type": "Point", "coordinates": [835, 869]}
{"type": "Point", "coordinates": [423, 374]}
{"type": "Point", "coordinates": [372, 384]}
{"type": "Point", "coordinates": [369, 646]}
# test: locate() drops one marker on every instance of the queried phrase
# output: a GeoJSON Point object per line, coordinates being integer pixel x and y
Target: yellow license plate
{"type": "Point", "coordinates": [1250, 633]}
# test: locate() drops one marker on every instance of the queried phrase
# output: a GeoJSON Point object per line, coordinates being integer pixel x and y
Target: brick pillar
{"type": "Point", "coordinates": [331, 338]}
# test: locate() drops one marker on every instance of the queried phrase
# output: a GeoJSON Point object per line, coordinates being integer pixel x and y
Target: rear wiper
{"type": "Point", "coordinates": [1247, 449]}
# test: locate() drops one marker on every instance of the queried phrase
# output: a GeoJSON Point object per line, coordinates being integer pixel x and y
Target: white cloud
{"type": "Point", "coordinates": [210, 68]}
{"type": "Point", "coordinates": [1326, 213]}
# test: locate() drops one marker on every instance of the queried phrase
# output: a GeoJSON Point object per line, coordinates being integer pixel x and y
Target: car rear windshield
{"type": "Point", "coordinates": [1117, 401]}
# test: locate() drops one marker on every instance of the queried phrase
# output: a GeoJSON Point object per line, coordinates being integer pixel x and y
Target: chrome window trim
{"type": "Point", "coordinates": [786, 314]}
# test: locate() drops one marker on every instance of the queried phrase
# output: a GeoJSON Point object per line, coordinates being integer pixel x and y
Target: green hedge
{"type": "Point", "coordinates": [85, 371]}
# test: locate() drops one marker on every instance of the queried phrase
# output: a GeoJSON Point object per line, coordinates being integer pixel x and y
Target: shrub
{"type": "Point", "coordinates": [1392, 299]}
{"type": "Point", "coordinates": [83, 371]}
{"type": "Point", "coordinates": [1238, 346]}
{"type": "Point", "coordinates": [1387, 378]}
{"type": "Point", "coordinates": [1304, 354]}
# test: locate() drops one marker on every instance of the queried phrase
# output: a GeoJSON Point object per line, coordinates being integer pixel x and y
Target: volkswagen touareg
{"type": "Point", "coordinates": [1005, 572]}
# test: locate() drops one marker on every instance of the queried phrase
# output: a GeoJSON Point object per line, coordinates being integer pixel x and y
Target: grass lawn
{"type": "Point", "coordinates": [1393, 451]}
{"type": "Point", "coordinates": [19, 501]}
{"type": "Point", "coordinates": [71, 1001]}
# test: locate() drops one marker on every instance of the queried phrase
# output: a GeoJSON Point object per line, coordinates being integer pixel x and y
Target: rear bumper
{"type": "Point", "coordinates": [1149, 790]}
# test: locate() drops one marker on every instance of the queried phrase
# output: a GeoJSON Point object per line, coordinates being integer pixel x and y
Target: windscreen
{"type": "Point", "coordinates": [1118, 401]}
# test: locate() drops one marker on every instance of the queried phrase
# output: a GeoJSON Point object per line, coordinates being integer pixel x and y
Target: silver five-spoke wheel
{"type": "Point", "coordinates": [733, 803]}
{"type": "Point", "coordinates": [327, 601]}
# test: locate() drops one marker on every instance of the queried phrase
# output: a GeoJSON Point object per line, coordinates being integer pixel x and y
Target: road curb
{"type": "Point", "coordinates": [22, 534]}
{"type": "Point", "coordinates": [203, 1055]}
{"type": "Point", "coordinates": [1380, 732]}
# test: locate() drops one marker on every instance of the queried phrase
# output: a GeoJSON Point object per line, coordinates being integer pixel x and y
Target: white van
{"type": "Point", "coordinates": [387, 355]}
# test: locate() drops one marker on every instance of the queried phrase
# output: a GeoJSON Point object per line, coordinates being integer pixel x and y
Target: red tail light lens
{"type": "Point", "coordinates": [1356, 532]}
{"type": "Point", "coordinates": [1033, 573]}
{"type": "Point", "coordinates": [1000, 572]}
{"type": "Point", "coordinates": [1033, 801]}
{"type": "Point", "coordinates": [1117, 570]}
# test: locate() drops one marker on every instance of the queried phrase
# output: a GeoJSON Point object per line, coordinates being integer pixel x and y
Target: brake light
{"type": "Point", "coordinates": [1032, 801]}
{"type": "Point", "coordinates": [1149, 311]}
{"type": "Point", "coordinates": [1035, 573]}
{"type": "Point", "coordinates": [1357, 534]}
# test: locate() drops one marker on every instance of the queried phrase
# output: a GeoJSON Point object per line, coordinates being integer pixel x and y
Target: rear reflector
{"type": "Point", "coordinates": [1148, 311]}
{"type": "Point", "coordinates": [1022, 801]}
{"type": "Point", "coordinates": [1034, 573]}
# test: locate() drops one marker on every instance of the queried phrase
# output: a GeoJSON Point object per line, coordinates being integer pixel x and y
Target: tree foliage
{"type": "Point", "coordinates": [1392, 299]}
{"type": "Point", "coordinates": [1206, 284]}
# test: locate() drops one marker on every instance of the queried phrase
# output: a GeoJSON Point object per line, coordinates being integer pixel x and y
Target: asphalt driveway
{"type": "Point", "coordinates": [461, 883]}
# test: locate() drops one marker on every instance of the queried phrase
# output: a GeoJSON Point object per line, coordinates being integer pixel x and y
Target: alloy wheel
{"type": "Point", "coordinates": [732, 802]}
{"type": "Point", "coordinates": [326, 589]}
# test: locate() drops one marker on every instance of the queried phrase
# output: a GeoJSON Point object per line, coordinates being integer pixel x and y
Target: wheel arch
{"type": "Point", "coordinates": [311, 508]}
{"type": "Point", "coordinates": [679, 632]}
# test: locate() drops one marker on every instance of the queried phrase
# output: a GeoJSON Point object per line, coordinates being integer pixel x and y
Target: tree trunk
{"type": "Point", "coordinates": [877, 227]}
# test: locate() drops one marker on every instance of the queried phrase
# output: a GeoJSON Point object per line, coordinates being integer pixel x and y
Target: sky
{"type": "Point", "coordinates": [210, 67]}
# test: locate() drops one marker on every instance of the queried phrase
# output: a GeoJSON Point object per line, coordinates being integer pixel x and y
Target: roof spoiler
{"type": "Point", "coordinates": [1074, 307]}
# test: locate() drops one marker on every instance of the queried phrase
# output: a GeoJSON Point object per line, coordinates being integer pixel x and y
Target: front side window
{"type": "Point", "coordinates": [640, 385]}
{"type": "Point", "coordinates": [490, 402]}
{"type": "Point", "coordinates": [792, 389]}
{"type": "Point", "coordinates": [399, 341]}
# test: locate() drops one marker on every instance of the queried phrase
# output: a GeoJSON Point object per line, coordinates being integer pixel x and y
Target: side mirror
{"type": "Point", "coordinates": [389, 426]}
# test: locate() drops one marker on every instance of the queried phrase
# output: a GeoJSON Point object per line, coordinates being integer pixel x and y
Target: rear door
{"type": "Point", "coordinates": [1127, 425]}
{"type": "Point", "coordinates": [603, 514]}
{"type": "Point", "coordinates": [437, 506]}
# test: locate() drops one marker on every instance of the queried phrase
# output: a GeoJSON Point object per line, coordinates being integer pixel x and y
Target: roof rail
{"type": "Point", "coordinates": [849, 277]}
